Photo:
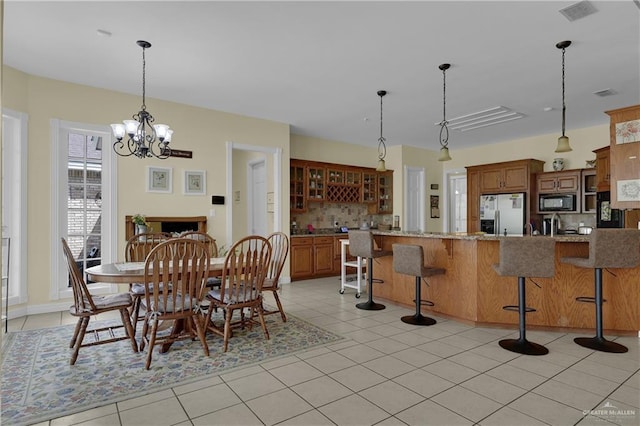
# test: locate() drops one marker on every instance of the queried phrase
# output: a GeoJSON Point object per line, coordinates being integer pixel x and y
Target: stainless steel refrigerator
{"type": "Point", "coordinates": [503, 214]}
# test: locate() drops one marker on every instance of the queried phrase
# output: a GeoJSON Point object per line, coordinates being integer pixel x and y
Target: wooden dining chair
{"type": "Point", "coordinates": [85, 305]}
{"type": "Point", "coordinates": [245, 269]}
{"type": "Point", "coordinates": [279, 251]}
{"type": "Point", "coordinates": [182, 265]}
{"type": "Point", "coordinates": [136, 250]}
{"type": "Point", "coordinates": [213, 252]}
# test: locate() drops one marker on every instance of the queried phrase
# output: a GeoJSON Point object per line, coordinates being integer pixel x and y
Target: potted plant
{"type": "Point", "coordinates": [142, 226]}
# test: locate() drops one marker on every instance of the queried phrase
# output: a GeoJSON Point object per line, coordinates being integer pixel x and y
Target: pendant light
{"type": "Point", "coordinates": [563, 141]}
{"type": "Point", "coordinates": [382, 148]}
{"type": "Point", "coordinates": [145, 139]}
{"type": "Point", "coordinates": [444, 130]}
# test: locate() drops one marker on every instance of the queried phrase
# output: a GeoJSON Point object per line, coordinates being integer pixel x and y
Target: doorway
{"type": "Point", "coordinates": [414, 199]}
{"type": "Point", "coordinates": [257, 197]}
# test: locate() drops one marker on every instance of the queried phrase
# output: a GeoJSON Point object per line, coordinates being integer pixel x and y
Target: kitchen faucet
{"type": "Point", "coordinates": [555, 217]}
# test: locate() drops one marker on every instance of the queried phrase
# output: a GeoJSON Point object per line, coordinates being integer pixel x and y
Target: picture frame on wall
{"type": "Point", "coordinates": [195, 182]}
{"type": "Point", "coordinates": [159, 179]}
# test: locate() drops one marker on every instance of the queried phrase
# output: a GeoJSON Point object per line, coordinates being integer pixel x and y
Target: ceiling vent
{"type": "Point", "coordinates": [578, 10]}
{"type": "Point", "coordinates": [605, 92]}
{"type": "Point", "coordinates": [484, 118]}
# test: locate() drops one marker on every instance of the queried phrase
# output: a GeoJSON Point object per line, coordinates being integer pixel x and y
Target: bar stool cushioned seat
{"type": "Point", "coordinates": [525, 257]}
{"type": "Point", "coordinates": [608, 248]}
{"type": "Point", "coordinates": [361, 244]}
{"type": "Point", "coordinates": [409, 260]}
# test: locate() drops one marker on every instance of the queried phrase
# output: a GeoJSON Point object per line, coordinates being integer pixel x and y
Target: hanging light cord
{"type": "Point", "coordinates": [144, 80]}
{"type": "Point", "coordinates": [444, 130]}
{"type": "Point", "coordinates": [564, 107]}
{"type": "Point", "coordinates": [382, 148]}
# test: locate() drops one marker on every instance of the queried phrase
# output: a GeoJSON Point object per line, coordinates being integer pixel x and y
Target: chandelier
{"type": "Point", "coordinates": [444, 130]}
{"type": "Point", "coordinates": [145, 139]}
{"type": "Point", "coordinates": [563, 141]}
{"type": "Point", "coordinates": [382, 148]}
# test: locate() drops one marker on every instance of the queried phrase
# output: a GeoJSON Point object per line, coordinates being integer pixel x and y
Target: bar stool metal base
{"type": "Point", "coordinates": [523, 346]}
{"type": "Point", "coordinates": [601, 344]}
{"type": "Point", "coordinates": [418, 319]}
{"type": "Point", "coordinates": [370, 306]}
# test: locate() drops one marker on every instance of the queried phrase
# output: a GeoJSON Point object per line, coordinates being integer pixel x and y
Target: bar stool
{"type": "Point", "coordinates": [524, 257]}
{"type": "Point", "coordinates": [361, 244]}
{"type": "Point", "coordinates": [608, 248]}
{"type": "Point", "coordinates": [409, 260]}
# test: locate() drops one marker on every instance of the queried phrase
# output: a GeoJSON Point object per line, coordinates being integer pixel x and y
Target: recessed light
{"type": "Point", "coordinates": [103, 33]}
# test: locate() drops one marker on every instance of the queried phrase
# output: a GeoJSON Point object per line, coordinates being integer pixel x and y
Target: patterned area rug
{"type": "Point", "coordinates": [39, 384]}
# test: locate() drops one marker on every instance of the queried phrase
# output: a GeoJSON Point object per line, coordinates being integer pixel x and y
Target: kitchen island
{"type": "Point", "coordinates": [473, 292]}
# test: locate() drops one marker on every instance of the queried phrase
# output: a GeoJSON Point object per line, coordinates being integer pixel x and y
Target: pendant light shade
{"type": "Point", "coordinates": [563, 141]}
{"type": "Point", "coordinates": [382, 147]}
{"type": "Point", "coordinates": [444, 130]}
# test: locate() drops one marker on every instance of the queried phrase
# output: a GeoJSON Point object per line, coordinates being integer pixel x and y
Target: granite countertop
{"type": "Point", "coordinates": [476, 236]}
{"type": "Point", "coordinates": [443, 235]}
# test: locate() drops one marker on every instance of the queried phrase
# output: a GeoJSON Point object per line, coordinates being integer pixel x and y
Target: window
{"type": "Point", "coordinates": [83, 190]}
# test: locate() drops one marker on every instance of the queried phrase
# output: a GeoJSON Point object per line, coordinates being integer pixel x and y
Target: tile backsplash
{"type": "Point", "coordinates": [324, 215]}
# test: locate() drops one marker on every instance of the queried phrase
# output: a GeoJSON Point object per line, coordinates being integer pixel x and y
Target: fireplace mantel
{"type": "Point", "coordinates": [157, 221]}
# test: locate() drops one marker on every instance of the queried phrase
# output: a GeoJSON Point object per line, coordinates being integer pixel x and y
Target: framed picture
{"type": "Point", "coordinates": [195, 182]}
{"type": "Point", "coordinates": [435, 206]}
{"type": "Point", "coordinates": [159, 179]}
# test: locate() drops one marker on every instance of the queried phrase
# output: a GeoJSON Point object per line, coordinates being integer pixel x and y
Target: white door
{"type": "Point", "coordinates": [414, 199]}
{"type": "Point", "coordinates": [257, 197]}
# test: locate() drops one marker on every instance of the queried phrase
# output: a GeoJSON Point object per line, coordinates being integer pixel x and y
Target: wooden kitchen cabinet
{"type": "Point", "coordinates": [297, 187]}
{"type": "Point", "coordinates": [385, 192]}
{"type": "Point", "coordinates": [624, 156]}
{"type": "Point", "coordinates": [369, 187]}
{"type": "Point", "coordinates": [301, 257]}
{"type": "Point", "coordinates": [552, 182]}
{"type": "Point", "coordinates": [511, 176]}
{"type": "Point", "coordinates": [603, 173]}
{"type": "Point", "coordinates": [589, 188]}
{"type": "Point", "coordinates": [323, 255]}
{"type": "Point", "coordinates": [312, 257]}
{"type": "Point", "coordinates": [502, 178]}
{"type": "Point", "coordinates": [316, 185]}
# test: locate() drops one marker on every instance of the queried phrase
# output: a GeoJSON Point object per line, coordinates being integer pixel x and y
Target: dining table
{"type": "Point", "coordinates": [133, 272]}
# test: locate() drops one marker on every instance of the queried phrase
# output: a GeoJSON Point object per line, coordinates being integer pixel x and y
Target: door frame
{"type": "Point", "coordinates": [421, 196]}
{"type": "Point", "coordinates": [276, 152]}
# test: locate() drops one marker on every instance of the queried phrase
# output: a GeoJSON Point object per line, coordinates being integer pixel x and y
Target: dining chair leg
{"type": "Point", "coordinates": [227, 328]}
{"type": "Point", "coordinates": [75, 333]}
{"type": "Point", "coordinates": [262, 322]}
{"type": "Point", "coordinates": [201, 330]}
{"type": "Point", "coordinates": [152, 342]}
{"type": "Point", "coordinates": [131, 331]}
{"type": "Point", "coordinates": [84, 322]}
{"type": "Point", "coordinates": [143, 336]}
{"type": "Point", "coordinates": [275, 296]}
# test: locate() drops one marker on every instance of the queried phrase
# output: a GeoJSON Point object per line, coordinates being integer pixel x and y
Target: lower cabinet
{"type": "Point", "coordinates": [313, 257]}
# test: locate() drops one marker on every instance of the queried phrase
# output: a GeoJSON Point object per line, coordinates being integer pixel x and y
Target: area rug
{"type": "Point", "coordinates": [39, 384]}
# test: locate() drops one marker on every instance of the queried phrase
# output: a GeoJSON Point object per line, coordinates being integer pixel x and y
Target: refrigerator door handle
{"type": "Point", "coordinates": [497, 223]}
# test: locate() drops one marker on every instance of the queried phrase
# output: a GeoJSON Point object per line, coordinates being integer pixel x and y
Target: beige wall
{"type": "Point", "coordinates": [583, 142]}
{"type": "Point", "coordinates": [200, 130]}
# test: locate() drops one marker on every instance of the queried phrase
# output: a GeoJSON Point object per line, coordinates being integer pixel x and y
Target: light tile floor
{"type": "Point", "coordinates": [390, 373]}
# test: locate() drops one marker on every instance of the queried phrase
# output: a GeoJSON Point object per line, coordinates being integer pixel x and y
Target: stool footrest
{"type": "Point", "coordinates": [516, 308]}
{"type": "Point", "coordinates": [588, 299]}
{"type": "Point", "coordinates": [425, 302]}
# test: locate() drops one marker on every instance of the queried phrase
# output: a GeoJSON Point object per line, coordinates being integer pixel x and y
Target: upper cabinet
{"type": "Point", "coordinates": [624, 130]}
{"type": "Point", "coordinates": [551, 182]}
{"type": "Point", "coordinates": [512, 176]}
{"type": "Point", "coordinates": [602, 169]}
{"type": "Point", "coordinates": [297, 187]}
{"type": "Point", "coordinates": [316, 190]}
{"type": "Point", "coordinates": [313, 181]}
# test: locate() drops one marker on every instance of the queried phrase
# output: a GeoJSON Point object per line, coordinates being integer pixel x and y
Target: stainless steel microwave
{"type": "Point", "coordinates": [557, 203]}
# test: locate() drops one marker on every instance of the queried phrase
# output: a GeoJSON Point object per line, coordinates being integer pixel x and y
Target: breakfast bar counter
{"type": "Point", "coordinates": [472, 291]}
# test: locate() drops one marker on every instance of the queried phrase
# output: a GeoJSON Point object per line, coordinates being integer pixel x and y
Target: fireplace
{"type": "Point", "coordinates": [169, 224]}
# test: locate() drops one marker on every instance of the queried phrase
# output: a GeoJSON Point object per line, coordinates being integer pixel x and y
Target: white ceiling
{"type": "Point", "coordinates": [318, 65]}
